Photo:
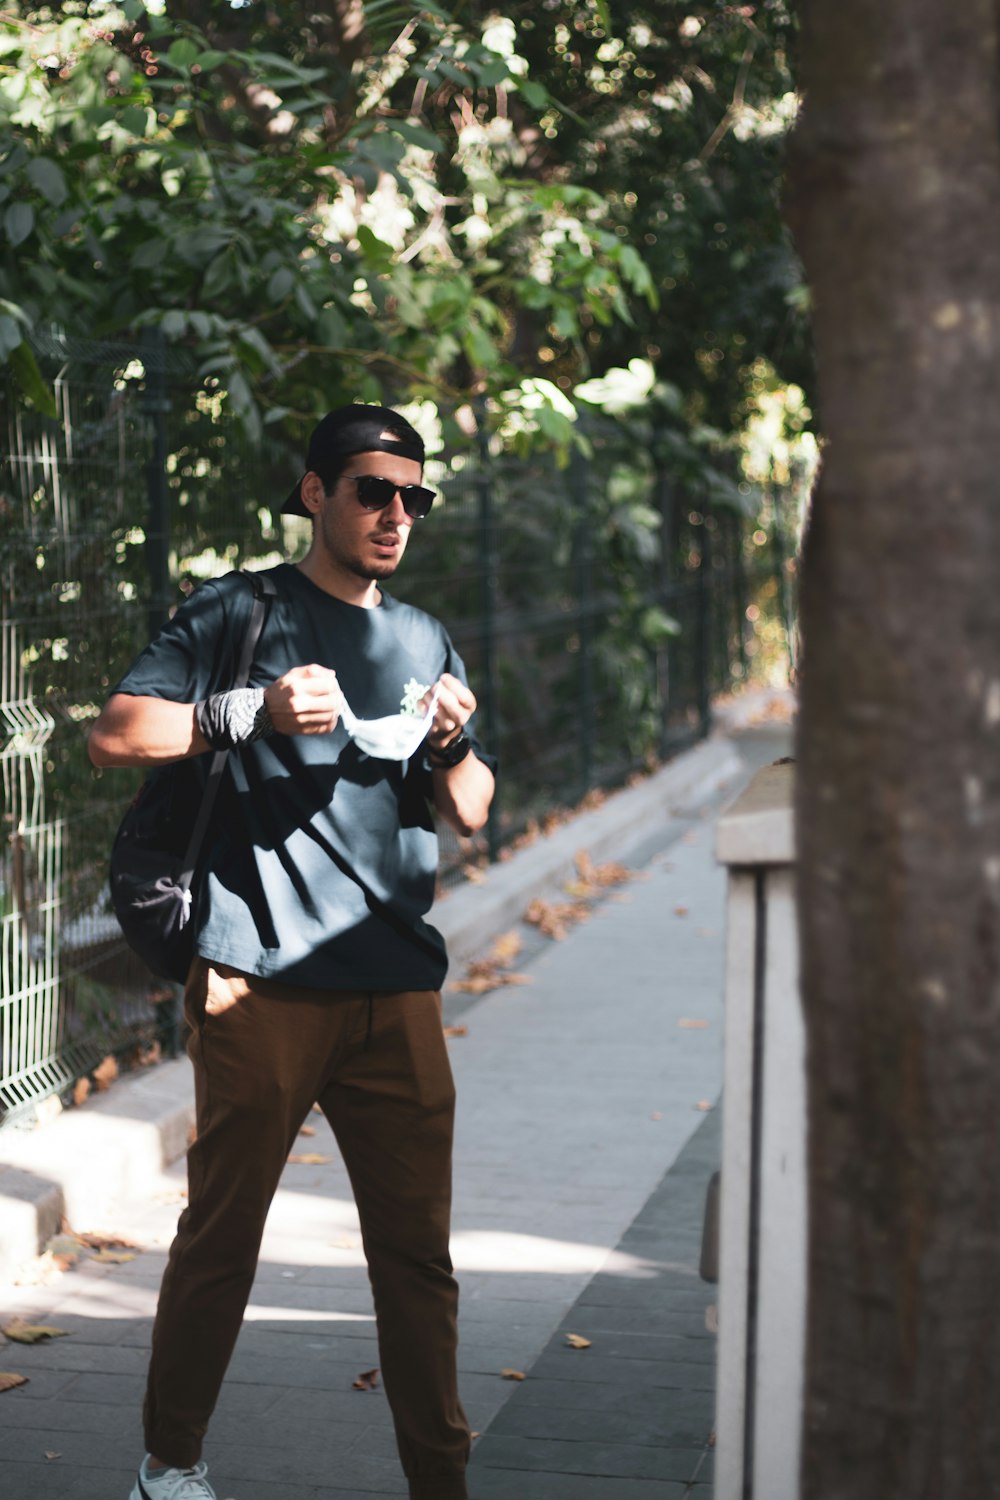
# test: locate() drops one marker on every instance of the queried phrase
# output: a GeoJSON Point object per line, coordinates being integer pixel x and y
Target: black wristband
{"type": "Point", "coordinates": [444, 757]}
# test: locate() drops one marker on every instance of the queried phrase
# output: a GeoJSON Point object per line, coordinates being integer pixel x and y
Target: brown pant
{"type": "Point", "coordinates": [378, 1066]}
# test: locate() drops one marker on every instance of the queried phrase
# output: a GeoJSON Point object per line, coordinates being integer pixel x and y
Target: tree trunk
{"type": "Point", "coordinates": [894, 196]}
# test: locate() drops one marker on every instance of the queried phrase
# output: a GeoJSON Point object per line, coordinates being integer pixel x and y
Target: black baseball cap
{"type": "Point", "coordinates": [354, 429]}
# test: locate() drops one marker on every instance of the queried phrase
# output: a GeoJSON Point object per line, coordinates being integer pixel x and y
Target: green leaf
{"type": "Point", "coordinates": [181, 54]}
{"type": "Point", "coordinates": [135, 119]}
{"type": "Point", "coordinates": [604, 14]}
{"type": "Point", "coordinates": [331, 329]}
{"type": "Point", "coordinates": [373, 249]}
{"type": "Point", "coordinates": [305, 302]}
{"type": "Point", "coordinates": [280, 284]}
{"type": "Point", "coordinates": [253, 339]}
{"type": "Point", "coordinates": [174, 323]}
{"type": "Point", "coordinates": [490, 72]}
{"type": "Point", "coordinates": [456, 75]}
{"type": "Point", "coordinates": [18, 222]}
{"type": "Point", "coordinates": [480, 348]}
{"type": "Point", "coordinates": [418, 135]}
{"type": "Point", "coordinates": [533, 94]}
{"type": "Point", "coordinates": [14, 161]}
{"type": "Point", "coordinates": [29, 378]}
{"type": "Point", "coordinates": [151, 253]}
{"type": "Point", "coordinates": [210, 59]}
{"type": "Point", "coordinates": [10, 335]}
{"type": "Point", "coordinates": [48, 179]}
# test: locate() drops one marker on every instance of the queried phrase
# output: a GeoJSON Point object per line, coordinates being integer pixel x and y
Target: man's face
{"type": "Point", "coordinates": [366, 543]}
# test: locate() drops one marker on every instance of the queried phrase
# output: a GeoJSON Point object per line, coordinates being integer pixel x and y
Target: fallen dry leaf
{"type": "Point", "coordinates": [493, 971]}
{"type": "Point", "coordinates": [50, 1456]}
{"type": "Point", "coordinates": [705, 931]}
{"type": "Point", "coordinates": [104, 1241]}
{"type": "Point", "coordinates": [105, 1073]}
{"type": "Point", "coordinates": [513, 1375]}
{"type": "Point", "coordinates": [555, 918]}
{"type": "Point", "coordinates": [680, 911]}
{"type": "Point", "coordinates": [310, 1159]}
{"type": "Point", "coordinates": [507, 947]}
{"type": "Point", "coordinates": [473, 874]}
{"type": "Point", "coordinates": [9, 1381]}
{"type": "Point", "coordinates": [31, 1333]}
{"type": "Point", "coordinates": [687, 1024]}
{"type": "Point", "coordinates": [307, 1130]}
{"type": "Point", "coordinates": [704, 1105]}
{"type": "Point", "coordinates": [44, 1270]}
{"type": "Point", "coordinates": [456, 1031]}
{"type": "Point", "coordinates": [113, 1257]}
{"type": "Point", "coordinates": [656, 1115]}
{"type": "Point", "coordinates": [81, 1091]}
{"type": "Point", "coordinates": [611, 873]}
{"type": "Point", "coordinates": [577, 1341]}
{"type": "Point", "coordinates": [366, 1381]}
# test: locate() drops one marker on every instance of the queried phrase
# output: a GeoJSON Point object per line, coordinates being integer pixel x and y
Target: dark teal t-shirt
{"type": "Point", "coordinates": [321, 861]}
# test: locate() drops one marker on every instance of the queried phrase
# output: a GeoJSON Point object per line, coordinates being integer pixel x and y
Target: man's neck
{"type": "Point", "coordinates": [341, 584]}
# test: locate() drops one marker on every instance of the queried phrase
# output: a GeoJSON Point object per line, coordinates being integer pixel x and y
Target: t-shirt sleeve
{"type": "Point", "coordinates": [185, 659]}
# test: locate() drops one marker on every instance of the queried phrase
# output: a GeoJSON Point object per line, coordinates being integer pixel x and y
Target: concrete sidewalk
{"type": "Point", "coordinates": [587, 1131]}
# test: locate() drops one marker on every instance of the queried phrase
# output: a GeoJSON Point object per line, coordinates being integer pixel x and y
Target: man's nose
{"type": "Point", "coordinates": [395, 513]}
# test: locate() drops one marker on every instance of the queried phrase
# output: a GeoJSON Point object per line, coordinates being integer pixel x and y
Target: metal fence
{"type": "Point", "coordinates": [558, 586]}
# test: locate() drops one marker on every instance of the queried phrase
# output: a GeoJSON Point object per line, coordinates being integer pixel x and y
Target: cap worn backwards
{"type": "Point", "coordinates": [354, 429]}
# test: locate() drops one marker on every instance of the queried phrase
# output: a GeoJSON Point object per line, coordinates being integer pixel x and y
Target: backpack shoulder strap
{"type": "Point", "coordinates": [264, 591]}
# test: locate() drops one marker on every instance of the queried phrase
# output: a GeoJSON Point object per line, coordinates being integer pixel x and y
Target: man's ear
{"type": "Point", "coordinates": [313, 491]}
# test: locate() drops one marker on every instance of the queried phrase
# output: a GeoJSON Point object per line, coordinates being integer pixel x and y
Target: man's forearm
{"type": "Point", "coordinates": [463, 793]}
{"type": "Point", "coordinates": [133, 731]}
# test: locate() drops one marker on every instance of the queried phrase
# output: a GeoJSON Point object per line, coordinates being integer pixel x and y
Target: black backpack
{"type": "Point", "coordinates": [159, 840]}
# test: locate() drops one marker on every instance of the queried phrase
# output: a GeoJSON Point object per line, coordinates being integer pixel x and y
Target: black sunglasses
{"type": "Point", "coordinates": [375, 493]}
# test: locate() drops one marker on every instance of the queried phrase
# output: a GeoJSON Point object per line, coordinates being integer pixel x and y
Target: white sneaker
{"type": "Point", "coordinates": [172, 1484]}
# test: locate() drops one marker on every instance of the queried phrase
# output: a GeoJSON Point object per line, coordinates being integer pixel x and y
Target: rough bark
{"type": "Point", "coordinates": [894, 198]}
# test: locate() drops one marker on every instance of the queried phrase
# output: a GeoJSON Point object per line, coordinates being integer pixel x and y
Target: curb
{"type": "Point", "coordinates": [77, 1165]}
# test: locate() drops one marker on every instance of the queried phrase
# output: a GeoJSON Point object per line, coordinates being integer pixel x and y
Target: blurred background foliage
{"type": "Point", "coordinates": [376, 203]}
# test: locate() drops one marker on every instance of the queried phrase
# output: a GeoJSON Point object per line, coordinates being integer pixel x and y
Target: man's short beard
{"type": "Point", "coordinates": [372, 572]}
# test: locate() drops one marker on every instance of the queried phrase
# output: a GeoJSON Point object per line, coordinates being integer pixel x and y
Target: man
{"type": "Point", "coordinates": [316, 975]}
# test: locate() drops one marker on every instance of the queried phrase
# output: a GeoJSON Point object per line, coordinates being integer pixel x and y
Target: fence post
{"type": "Point", "coordinates": [703, 630]}
{"type": "Point", "coordinates": [665, 502]}
{"type": "Point", "coordinates": [740, 593]}
{"type": "Point", "coordinates": [156, 405]}
{"type": "Point", "coordinates": [785, 603]}
{"type": "Point", "coordinates": [584, 548]}
{"type": "Point", "coordinates": [488, 562]}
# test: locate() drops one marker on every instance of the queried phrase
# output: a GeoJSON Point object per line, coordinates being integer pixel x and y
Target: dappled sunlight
{"type": "Point", "coordinates": [500, 1250]}
{"type": "Point", "coordinates": [260, 1313]}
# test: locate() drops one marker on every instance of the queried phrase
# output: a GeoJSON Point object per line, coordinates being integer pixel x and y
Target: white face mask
{"type": "Point", "coordinates": [396, 737]}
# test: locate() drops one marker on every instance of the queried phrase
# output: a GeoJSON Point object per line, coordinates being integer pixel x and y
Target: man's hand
{"type": "Point", "coordinates": [305, 700]}
{"type": "Point", "coordinates": [456, 705]}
